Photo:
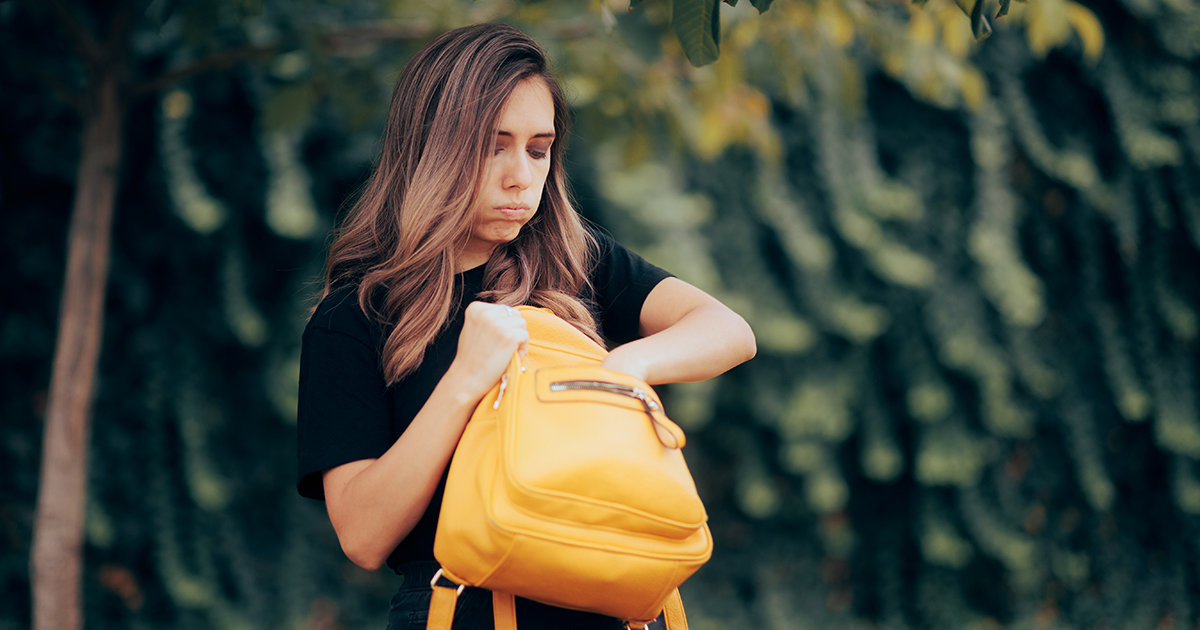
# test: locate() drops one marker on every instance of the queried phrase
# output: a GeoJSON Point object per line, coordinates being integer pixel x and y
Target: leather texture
{"type": "Point", "coordinates": [504, 609]}
{"type": "Point", "coordinates": [441, 607]}
{"type": "Point", "coordinates": [673, 612]}
{"type": "Point", "coordinates": [568, 487]}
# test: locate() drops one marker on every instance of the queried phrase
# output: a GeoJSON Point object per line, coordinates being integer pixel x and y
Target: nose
{"type": "Point", "coordinates": [517, 170]}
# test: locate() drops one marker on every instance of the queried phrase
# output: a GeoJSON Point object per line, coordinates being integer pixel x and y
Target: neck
{"type": "Point", "coordinates": [470, 259]}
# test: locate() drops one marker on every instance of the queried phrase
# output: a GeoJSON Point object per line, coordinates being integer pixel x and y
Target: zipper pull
{"type": "Point", "coordinates": [503, 386]}
{"type": "Point", "coordinates": [647, 401]}
{"type": "Point", "coordinates": [669, 435]}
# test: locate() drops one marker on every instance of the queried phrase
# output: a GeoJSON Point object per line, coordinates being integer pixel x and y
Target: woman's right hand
{"type": "Point", "coordinates": [491, 334]}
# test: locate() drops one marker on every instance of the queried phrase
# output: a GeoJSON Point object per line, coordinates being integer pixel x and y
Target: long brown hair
{"type": "Point", "coordinates": [401, 238]}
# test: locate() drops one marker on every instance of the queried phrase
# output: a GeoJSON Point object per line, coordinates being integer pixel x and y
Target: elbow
{"type": "Point", "coordinates": [367, 558]}
{"type": "Point", "coordinates": [749, 350]}
{"type": "Point", "coordinates": [360, 546]}
{"type": "Point", "coordinates": [746, 345]}
{"type": "Point", "coordinates": [736, 334]}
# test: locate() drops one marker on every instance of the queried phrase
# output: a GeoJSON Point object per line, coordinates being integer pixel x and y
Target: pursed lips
{"type": "Point", "coordinates": [513, 212]}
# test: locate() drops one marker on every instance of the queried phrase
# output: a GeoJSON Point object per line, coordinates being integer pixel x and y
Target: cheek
{"type": "Point", "coordinates": [542, 188]}
{"type": "Point", "coordinates": [543, 175]}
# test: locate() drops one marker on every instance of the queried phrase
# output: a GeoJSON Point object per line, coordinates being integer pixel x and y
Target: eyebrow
{"type": "Point", "coordinates": [544, 134]}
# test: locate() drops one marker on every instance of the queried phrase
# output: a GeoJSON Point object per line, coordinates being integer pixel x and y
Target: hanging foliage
{"type": "Point", "coordinates": [967, 262]}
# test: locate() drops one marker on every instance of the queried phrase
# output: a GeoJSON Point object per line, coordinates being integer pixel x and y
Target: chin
{"type": "Point", "coordinates": [497, 233]}
{"type": "Point", "coordinates": [507, 236]}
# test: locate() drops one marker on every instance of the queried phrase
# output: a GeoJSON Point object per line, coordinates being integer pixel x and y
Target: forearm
{"type": "Point", "coordinates": [374, 504]}
{"type": "Point", "coordinates": [708, 340]}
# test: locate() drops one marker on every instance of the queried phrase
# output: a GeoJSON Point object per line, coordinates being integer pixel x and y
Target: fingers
{"type": "Point", "coordinates": [523, 345]}
{"type": "Point", "coordinates": [494, 328]}
{"type": "Point", "coordinates": [504, 322]}
{"type": "Point", "coordinates": [520, 329]}
{"type": "Point", "coordinates": [492, 310]}
{"type": "Point", "coordinates": [491, 334]}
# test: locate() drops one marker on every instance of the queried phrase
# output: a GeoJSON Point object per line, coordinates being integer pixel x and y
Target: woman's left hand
{"type": "Point", "coordinates": [687, 336]}
{"type": "Point", "coordinates": [626, 362]}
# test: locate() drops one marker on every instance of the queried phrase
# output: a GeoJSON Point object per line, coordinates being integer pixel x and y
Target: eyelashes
{"type": "Point", "coordinates": [534, 153]}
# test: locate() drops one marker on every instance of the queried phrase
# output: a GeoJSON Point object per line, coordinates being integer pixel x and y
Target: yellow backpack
{"type": "Point", "coordinates": [568, 487]}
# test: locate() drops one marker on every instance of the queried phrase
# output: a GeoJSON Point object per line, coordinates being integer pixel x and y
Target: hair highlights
{"type": "Point", "coordinates": [401, 237]}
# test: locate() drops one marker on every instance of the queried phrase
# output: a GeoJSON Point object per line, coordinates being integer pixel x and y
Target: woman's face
{"type": "Point", "coordinates": [516, 171]}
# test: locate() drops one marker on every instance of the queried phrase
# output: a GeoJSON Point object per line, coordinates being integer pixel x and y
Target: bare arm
{"type": "Point", "coordinates": [687, 336]}
{"type": "Point", "coordinates": [374, 503]}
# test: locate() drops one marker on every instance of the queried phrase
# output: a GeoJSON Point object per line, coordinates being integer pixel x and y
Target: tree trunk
{"type": "Point", "coordinates": [58, 534]}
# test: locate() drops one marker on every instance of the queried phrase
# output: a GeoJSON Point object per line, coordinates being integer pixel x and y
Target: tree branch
{"type": "Point", "coordinates": [335, 40]}
{"type": "Point", "coordinates": [73, 98]}
{"type": "Point", "coordinates": [361, 39]}
{"type": "Point", "coordinates": [351, 35]}
{"type": "Point", "coordinates": [85, 43]}
{"type": "Point", "coordinates": [38, 72]}
{"type": "Point", "coordinates": [376, 32]}
{"type": "Point", "coordinates": [218, 61]}
{"type": "Point", "coordinates": [340, 41]}
{"type": "Point", "coordinates": [116, 45]}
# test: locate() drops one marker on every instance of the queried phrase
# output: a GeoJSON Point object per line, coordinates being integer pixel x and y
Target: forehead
{"type": "Point", "coordinates": [529, 110]}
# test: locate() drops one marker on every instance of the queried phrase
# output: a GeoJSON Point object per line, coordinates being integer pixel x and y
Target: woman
{"type": "Point", "coordinates": [466, 215]}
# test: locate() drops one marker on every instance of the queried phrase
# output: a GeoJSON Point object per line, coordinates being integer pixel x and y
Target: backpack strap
{"type": "Point", "coordinates": [504, 609]}
{"type": "Point", "coordinates": [673, 617]}
{"type": "Point", "coordinates": [441, 606]}
{"type": "Point", "coordinates": [673, 612]}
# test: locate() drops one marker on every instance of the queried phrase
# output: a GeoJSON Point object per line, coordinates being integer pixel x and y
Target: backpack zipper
{"type": "Point", "coordinates": [503, 386]}
{"type": "Point", "coordinates": [614, 388]}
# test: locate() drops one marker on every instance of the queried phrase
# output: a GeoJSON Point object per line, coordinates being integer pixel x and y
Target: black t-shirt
{"type": "Point", "coordinates": [347, 413]}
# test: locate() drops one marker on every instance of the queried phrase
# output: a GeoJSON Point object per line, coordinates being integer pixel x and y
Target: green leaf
{"type": "Point", "coordinates": [763, 5]}
{"type": "Point", "coordinates": [733, 3]}
{"type": "Point", "coordinates": [1003, 8]}
{"type": "Point", "coordinates": [697, 24]}
{"type": "Point", "coordinates": [160, 11]}
{"type": "Point", "coordinates": [633, 4]}
{"type": "Point", "coordinates": [200, 20]}
{"type": "Point", "coordinates": [979, 24]}
{"type": "Point", "coordinates": [250, 8]}
{"type": "Point", "coordinates": [980, 27]}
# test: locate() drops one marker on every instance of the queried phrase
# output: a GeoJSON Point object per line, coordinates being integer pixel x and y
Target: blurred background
{"type": "Point", "coordinates": [971, 266]}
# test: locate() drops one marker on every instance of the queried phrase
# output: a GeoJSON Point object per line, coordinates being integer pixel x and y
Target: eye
{"type": "Point", "coordinates": [537, 155]}
{"type": "Point", "coordinates": [503, 141]}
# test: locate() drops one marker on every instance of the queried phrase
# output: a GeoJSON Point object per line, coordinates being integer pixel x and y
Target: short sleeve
{"type": "Point", "coordinates": [344, 411]}
{"type": "Point", "coordinates": [621, 282]}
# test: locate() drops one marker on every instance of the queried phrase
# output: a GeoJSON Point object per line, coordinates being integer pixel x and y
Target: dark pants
{"type": "Point", "coordinates": [410, 608]}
